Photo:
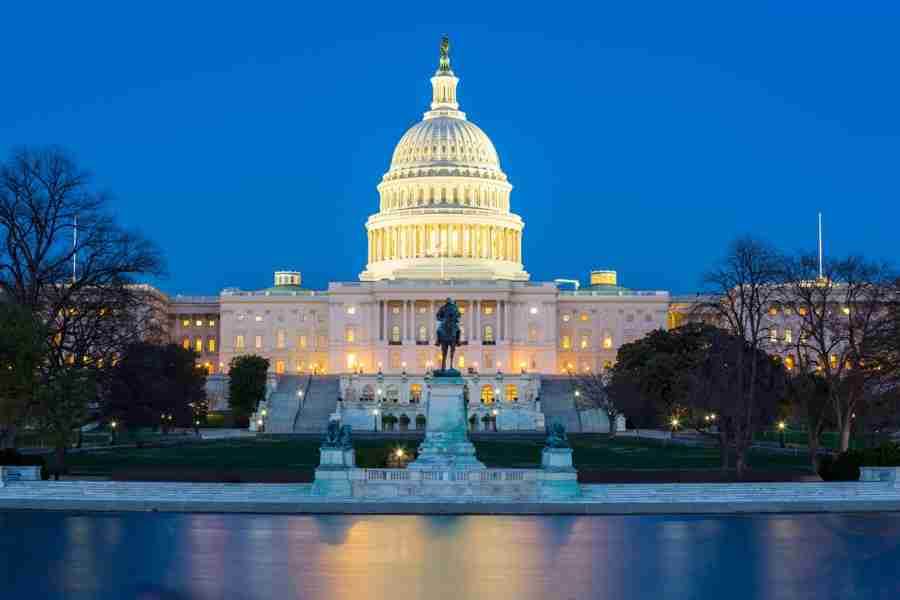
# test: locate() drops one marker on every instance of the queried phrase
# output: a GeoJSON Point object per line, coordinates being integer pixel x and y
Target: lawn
{"type": "Point", "coordinates": [591, 452]}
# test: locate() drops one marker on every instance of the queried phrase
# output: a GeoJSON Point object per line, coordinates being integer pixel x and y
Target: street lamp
{"type": "Point", "coordinates": [114, 424]}
{"type": "Point", "coordinates": [674, 424]}
{"type": "Point", "coordinates": [781, 427]}
{"type": "Point", "coordinates": [375, 419]}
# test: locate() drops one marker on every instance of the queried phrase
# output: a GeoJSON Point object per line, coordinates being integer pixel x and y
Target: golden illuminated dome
{"type": "Point", "coordinates": [444, 202]}
{"type": "Point", "coordinates": [448, 145]}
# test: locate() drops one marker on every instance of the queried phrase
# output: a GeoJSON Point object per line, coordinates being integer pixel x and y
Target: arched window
{"type": "Point", "coordinates": [279, 367]}
{"type": "Point", "coordinates": [415, 393]}
{"type": "Point", "coordinates": [392, 394]}
{"type": "Point", "coordinates": [420, 421]}
{"type": "Point", "coordinates": [186, 343]}
{"type": "Point", "coordinates": [487, 394]}
{"type": "Point", "coordinates": [395, 334]}
{"type": "Point", "coordinates": [488, 337]}
{"type": "Point", "coordinates": [404, 423]}
{"type": "Point", "coordinates": [368, 393]}
{"type": "Point", "coordinates": [512, 392]}
{"type": "Point", "coordinates": [423, 333]}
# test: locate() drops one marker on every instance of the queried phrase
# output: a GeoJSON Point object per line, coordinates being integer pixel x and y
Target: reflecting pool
{"type": "Point", "coordinates": [210, 556]}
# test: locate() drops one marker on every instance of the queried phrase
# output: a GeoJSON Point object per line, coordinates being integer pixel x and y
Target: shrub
{"type": "Point", "coordinates": [846, 466]}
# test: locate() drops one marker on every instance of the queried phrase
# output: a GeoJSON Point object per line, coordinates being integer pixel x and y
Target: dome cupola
{"type": "Point", "coordinates": [444, 201]}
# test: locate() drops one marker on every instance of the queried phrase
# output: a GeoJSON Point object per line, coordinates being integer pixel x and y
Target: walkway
{"type": "Point", "coordinates": [596, 499]}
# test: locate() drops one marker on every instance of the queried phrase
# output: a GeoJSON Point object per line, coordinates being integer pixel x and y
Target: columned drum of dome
{"type": "Point", "coordinates": [444, 202]}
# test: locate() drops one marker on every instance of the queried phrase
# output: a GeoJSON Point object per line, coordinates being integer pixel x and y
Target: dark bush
{"type": "Point", "coordinates": [9, 457]}
{"type": "Point", "coordinates": [846, 466]}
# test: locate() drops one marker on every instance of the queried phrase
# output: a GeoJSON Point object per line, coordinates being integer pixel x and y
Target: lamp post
{"type": "Point", "coordinates": [781, 427]}
{"type": "Point", "coordinates": [375, 412]}
{"type": "Point", "coordinates": [113, 425]}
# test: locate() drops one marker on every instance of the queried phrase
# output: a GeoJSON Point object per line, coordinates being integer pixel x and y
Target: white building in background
{"type": "Point", "coordinates": [444, 228]}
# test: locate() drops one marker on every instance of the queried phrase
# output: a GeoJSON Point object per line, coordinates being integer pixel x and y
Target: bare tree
{"type": "Point", "coordinates": [83, 288]}
{"type": "Point", "coordinates": [592, 391]}
{"type": "Point", "coordinates": [739, 292]}
{"type": "Point", "coordinates": [843, 315]}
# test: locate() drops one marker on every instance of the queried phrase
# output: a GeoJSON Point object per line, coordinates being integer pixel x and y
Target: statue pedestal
{"type": "Point", "coordinates": [446, 429]}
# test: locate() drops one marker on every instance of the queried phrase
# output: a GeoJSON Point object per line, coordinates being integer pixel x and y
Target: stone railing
{"type": "Point", "coordinates": [450, 475]}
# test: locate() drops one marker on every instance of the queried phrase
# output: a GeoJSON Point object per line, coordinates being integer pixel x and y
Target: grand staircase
{"type": "Point", "coordinates": [284, 403]}
{"type": "Point", "coordinates": [558, 402]}
{"type": "Point", "coordinates": [319, 402]}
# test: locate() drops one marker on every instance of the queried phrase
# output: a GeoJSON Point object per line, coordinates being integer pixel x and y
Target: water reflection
{"type": "Point", "coordinates": [59, 555]}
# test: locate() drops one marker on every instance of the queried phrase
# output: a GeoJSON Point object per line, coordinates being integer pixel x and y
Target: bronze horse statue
{"type": "Point", "coordinates": [448, 333]}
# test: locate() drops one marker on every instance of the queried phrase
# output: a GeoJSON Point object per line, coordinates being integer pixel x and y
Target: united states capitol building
{"type": "Point", "coordinates": [445, 227]}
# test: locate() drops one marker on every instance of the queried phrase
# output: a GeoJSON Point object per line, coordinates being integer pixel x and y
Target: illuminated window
{"type": "Point", "coordinates": [198, 323]}
{"type": "Point", "coordinates": [533, 310]}
{"type": "Point", "coordinates": [584, 317]}
{"type": "Point", "coordinates": [302, 342]}
{"type": "Point", "coordinates": [845, 310]}
{"type": "Point", "coordinates": [415, 393]}
{"type": "Point", "coordinates": [833, 359]}
{"type": "Point", "coordinates": [801, 311]}
{"type": "Point", "coordinates": [789, 362]}
{"type": "Point", "coordinates": [488, 310]}
{"type": "Point", "coordinates": [566, 318]}
{"type": "Point", "coordinates": [532, 334]}
{"type": "Point", "coordinates": [280, 339]}
{"type": "Point", "coordinates": [350, 335]}
{"type": "Point", "coordinates": [608, 342]}
{"type": "Point", "coordinates": [512, 392]}
{"type": "Point", "coordinates": [258, 318]}
{"type": "Point", "coordinates": [395, 310]}
{"type": "Point", "coordinates": [185, 322]}
{"type": "Point", "coordinates": [462, 310]}
{"type": "Point", "coordinates": [487, 394]}
{"type": "Point", "coordinates": [186, 343]}
{"type": "Point", "coordinates": [773, 310]}
{"type": "Point", "coordinates": [351, 310]}
{"type": "Point", "coordinates": [239, 342]}
{"type": "Point", "coordinates": [461, 362]}
{"type": "Point", "coordinates": [566, 342]}
{"type": "Point", "coordinates": [279, 367]}
{"type": "Point", "coordinates": [422, 310]}
{"type": "Point", "coordinates": [488, 334]}
{"type": "Point", "coordinates": [607, 364]}
{"type": "Point", "coordinates": [423, 333]}
{"type": "Point", "coordinates": [351, 361]}
{"type": "Point", "coordinates": [258, 342]}
{"type": "Point", "coordinates": [212, 322]}
{"type": "Point", "coordinates": [395, 334]}
{"type": "Point", "coordinates": [585, 341]}
{"type": "Point", "coordinates": [788, 336]}
{"type": "Point", "coordinates": [211, 344]}
{"type": "Point", "coordinates": [198, 345]}
{"type": "Point", "coordinates": [773, 335]}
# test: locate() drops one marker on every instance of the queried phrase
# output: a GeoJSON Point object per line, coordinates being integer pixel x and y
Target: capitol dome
{"type": "Point", "coordinates": [444, 202]}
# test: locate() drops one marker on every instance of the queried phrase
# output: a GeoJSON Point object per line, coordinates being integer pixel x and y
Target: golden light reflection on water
{"type": "Point", "coordinates": [435, 557]}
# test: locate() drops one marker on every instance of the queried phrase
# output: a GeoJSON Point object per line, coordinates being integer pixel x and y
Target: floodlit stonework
{"type": "Point", "coordinates": [444, 228]}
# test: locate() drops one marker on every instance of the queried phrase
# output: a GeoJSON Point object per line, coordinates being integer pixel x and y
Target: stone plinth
{"type": "Point", "coordinates": [557, 459]}
{"type": "Point", "coordinates": [19, 473]}
{"type": "Point", "coordinates": [446, 442]}
{"type": "Point", "coordinates": [889, 475]}
{"type": "Point", "coordinates": [333, 474]}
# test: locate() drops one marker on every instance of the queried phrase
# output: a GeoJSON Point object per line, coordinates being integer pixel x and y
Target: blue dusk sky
{"type": "Point", "coordinates": [643, 137]}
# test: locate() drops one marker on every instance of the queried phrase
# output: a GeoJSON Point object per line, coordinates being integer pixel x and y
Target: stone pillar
{"type": "Point", "coordinates": [384, 320]}
{"type": "Point", "coordinates": [477, 330]}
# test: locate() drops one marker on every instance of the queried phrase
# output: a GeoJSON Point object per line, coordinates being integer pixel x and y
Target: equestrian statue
{"type": "Point", "coordinates": [448, 336]}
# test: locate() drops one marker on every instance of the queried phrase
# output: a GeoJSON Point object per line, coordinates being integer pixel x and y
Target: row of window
{"type": "Point", "coordinates": [197, 346]}
{"type": "Point", "coordinates": [584, 342]}
{"type": "Point", "coordinates": [185, 322]}
{"type": "Point", "coordinates": [280, 341]}
{"type": "Point", "coordinates": [801, 310]}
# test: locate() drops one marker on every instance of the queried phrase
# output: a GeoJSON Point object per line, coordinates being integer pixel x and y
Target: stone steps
{"type": "Point", "coordinates": [320, 402]}
{"type": "Point", "coordinates": [284, 403]}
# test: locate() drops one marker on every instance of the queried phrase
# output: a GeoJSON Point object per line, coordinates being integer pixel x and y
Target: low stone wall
{"type": "Point", "coordinates": [19, 473]}
{"type": "Point", "coordinates": [889, 475]}
{"type": "Point", "coordinates": [511, 484]}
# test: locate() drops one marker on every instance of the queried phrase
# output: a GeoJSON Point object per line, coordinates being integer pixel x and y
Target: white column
{"type": "Point", "coordinates": [384, 320]}
{"type": "Point", "coordinates": [477, 331]}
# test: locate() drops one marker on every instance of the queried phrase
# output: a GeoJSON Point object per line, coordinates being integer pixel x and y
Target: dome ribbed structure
{"type": "Point", "coordinates": [444, 202]}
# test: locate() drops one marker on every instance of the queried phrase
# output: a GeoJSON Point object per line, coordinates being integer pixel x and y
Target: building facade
{"type": "Point", "coordinates": [444, 229]}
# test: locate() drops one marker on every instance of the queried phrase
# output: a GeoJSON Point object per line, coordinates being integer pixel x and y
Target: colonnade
{"type": "Point", "coordinates": [479, 196]}
{"type": "Point", "coordinates": [449, 240]}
